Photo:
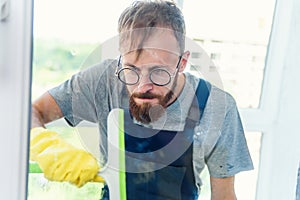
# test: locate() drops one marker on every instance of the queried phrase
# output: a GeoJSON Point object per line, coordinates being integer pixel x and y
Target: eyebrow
{"type": "Point", "coordinates": [130, 65]}
{"type": "Point", "coordinates": [150, 68]}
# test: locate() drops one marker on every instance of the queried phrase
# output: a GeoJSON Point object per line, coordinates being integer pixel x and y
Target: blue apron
{"type": "Point", "coordinates": [173, 180]}
{"type": "Point", "coordinates": [165, 177]}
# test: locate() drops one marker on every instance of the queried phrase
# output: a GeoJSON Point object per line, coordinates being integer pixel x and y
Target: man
{"type": "Point", "coordinates": [148, 81]}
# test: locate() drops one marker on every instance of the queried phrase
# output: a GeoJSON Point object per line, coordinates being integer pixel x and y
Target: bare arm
{"type": "Point", "coordinates": [222, 188]}
{"type": "Point", "coordinates": [44, 110]}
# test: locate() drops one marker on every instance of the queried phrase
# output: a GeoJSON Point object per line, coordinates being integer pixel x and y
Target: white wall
{"type": "Point", "coordinates": [15, 50]}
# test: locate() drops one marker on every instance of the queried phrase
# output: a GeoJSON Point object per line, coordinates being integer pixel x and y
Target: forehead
{"type": "Point", "coordinates": [165, 41]}
{"type": "Point", "coordinates": [151, 57]}
{"type": "Point", "coordinates": [149, 38]}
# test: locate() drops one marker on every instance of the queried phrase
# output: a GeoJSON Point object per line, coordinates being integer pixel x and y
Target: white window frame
{"type": "Point", "coordinates": [15, 68]}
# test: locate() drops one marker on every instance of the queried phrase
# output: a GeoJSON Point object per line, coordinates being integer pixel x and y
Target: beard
{"type": "Point", "coordinates": [147, 112]}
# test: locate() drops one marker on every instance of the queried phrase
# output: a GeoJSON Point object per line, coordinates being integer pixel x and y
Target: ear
{"type": "Point", "coordinates": [184, 60]}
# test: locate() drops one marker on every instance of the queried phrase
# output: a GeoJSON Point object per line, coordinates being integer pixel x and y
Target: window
{"type": "Point", "coordinates": [235, 34]}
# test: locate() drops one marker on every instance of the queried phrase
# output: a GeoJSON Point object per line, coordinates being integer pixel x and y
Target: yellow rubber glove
{"type": "Point", "coordinates": [61, 161]}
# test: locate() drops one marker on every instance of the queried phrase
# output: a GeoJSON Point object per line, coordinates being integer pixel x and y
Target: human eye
{"type": "Point", "coordinates": [160, 76]}
{"type": "Point", "coordinates": [128, 71]}
{"type": "Point", "coordinates": [128, 75]}
{"type": "Point", "coordinates": [160, 72]}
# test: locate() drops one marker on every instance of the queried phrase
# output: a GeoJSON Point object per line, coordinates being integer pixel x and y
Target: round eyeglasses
{"type": "Point", "coordinates": [158, 76]}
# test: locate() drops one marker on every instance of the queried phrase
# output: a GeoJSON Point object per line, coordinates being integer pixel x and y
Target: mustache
{"type": "Point", "coordinates": [145, 95]}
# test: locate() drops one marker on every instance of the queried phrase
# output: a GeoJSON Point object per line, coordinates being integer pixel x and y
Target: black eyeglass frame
{"type": "Point", "coordinates": [119, 69]}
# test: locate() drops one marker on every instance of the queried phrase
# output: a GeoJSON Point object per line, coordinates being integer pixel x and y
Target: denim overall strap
{"type": "Point", "coordinates": [202, 93]}
{"type": "Point", "coordinates": [199, 102]}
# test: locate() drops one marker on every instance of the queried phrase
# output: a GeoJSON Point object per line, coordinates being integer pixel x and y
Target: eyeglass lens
{"type": "Point", "coordinates": [157, 76]}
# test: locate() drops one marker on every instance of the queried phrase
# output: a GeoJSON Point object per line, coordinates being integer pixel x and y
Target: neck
{"type": "Point", "coordinates": [178, 87]}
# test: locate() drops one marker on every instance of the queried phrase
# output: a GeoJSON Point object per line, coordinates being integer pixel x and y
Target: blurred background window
{"type": "Point", "coordinates": [235, 33]}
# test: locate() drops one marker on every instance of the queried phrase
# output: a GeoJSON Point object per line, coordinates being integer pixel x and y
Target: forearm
{"type": "Point", "coordinates": [222, 188]}
{"type": "Point", "coordinates": [223, 196]}
{"type": "Point", "coordinates": [44, 110]}
{"type": "Point", "coordinates": [36, 118]}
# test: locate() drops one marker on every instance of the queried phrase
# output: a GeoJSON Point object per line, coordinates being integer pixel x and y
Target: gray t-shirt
{"type": "Point", "coordinates": [219, 140]}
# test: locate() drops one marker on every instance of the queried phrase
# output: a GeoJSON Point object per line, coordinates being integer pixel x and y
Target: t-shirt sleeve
{"type": "Point", "coordinates": [75, 100]}
{"type": "Point", "coordinates": [76, 96]}
{"type": "Point", "coordinates": [230, 155]}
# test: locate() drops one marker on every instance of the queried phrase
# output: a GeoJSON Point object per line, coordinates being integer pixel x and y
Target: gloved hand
{"type": "Point", "coordinates": [61, 161]}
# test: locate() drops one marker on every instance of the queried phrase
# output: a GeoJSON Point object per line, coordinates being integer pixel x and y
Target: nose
{"type": "Point", "coordinates": [144, 84]}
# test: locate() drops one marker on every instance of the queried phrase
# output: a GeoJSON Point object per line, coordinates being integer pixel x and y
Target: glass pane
{"type": "Point", "coordinates": [41, 188]}
{"type": "Point", "coordinates": [66, 32]}
{"type": "Point", "coordinates": [235, 35]}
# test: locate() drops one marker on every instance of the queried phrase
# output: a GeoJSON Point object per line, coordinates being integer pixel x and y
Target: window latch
{"type": "Point", "coordinates": [4, 10]}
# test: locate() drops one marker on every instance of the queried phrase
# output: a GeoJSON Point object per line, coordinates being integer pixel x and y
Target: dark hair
{"type": "Point", "coordinates": [143, 17]}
